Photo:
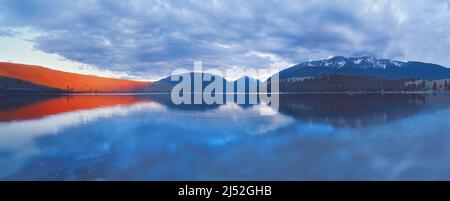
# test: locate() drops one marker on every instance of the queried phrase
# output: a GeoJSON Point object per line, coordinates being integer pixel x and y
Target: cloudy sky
{"type": "Point", "coordinates": [149, 39]}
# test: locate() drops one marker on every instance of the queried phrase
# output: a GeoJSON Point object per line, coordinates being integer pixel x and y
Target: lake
{"type": "Point", "coordinates": [146, 137]}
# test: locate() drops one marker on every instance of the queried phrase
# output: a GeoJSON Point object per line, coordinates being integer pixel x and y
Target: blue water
{"type": "Point", "coordinates": [311, 137]}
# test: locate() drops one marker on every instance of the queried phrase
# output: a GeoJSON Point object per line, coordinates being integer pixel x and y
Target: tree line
{"type": "Point", "coordinates": [349, 83]}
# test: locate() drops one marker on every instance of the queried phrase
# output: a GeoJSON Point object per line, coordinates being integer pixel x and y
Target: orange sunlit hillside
{"type": "Point", "coordinates": [65, 80]}
{"type": "Point", "coordinates": [65, 104]}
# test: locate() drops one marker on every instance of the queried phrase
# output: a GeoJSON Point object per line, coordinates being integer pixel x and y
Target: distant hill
{"type": "Point", "coordinates": [37, 77]}
{"type": "Point", "coordinates": [368, 67]}
{"type": "Point", "coordinates": [165, 85]}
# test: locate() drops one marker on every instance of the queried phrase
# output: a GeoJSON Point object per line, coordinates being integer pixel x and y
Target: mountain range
{"type": "Point", "coordinates": [333, 74]}
{"type": "Point", "coordinates": [165, 85]}
{"type": "Point", "coordinates": [367, 66]}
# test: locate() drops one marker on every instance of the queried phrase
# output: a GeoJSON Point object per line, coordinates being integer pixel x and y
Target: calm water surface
{"type": "Point", "coordinates": [145, 137]}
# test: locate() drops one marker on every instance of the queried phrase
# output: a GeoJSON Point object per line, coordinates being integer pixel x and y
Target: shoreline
{"type": "Point", "coordinates": [168, 93]}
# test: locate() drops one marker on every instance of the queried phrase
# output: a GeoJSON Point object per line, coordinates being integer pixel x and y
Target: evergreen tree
{"type": "Point", "coordinates": [423, 85]}
{"type": "Point", "coordinates": [434, 86]}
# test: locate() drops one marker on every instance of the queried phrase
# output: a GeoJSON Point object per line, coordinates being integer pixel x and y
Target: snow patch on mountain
{"type": "Point", "coordinates": [340, 63]}
{"type": "Point", "coordinates": [364, 62]}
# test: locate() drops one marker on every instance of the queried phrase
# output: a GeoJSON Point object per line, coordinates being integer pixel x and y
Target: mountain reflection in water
{"type": "Point", "coordinates": [146, 137]}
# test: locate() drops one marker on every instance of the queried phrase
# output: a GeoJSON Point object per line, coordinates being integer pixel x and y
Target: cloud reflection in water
{"type": "Point", "coordinates": [153, 141]}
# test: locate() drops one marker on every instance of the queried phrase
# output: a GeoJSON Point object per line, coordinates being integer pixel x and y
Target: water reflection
{"type": "Point", "coordinates": [145, 137]}
{"type": "Point", "coordinates": [32, 106]}
{"type": "Point", "coordinates": [342, 110]}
